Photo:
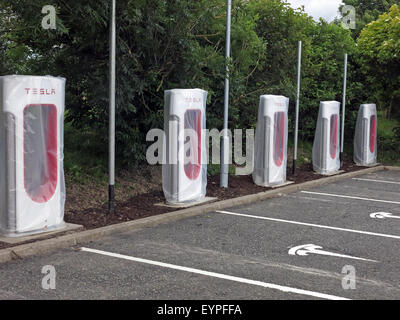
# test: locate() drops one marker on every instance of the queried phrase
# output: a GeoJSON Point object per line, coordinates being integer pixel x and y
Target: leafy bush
{"type": "Point", "coordinates": [164, 44]}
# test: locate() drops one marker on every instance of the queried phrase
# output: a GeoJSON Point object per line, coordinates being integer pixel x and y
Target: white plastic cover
{"type": "Point", "coordinates": [32, 187]}
{"type": "Point", "coordinates": [270, 145]}
{"type": "Point", "coordinates": [184, 169]}
{"type": "Point", "coordinates": [326, 149]}
{"type": "Point", "coordinates": [365, 140]}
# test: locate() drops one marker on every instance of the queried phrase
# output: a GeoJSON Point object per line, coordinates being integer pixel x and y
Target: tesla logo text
{"type": "Point", "coordinates": [40, 91]}
{"type": "Point", "coordinates": [191, 100]}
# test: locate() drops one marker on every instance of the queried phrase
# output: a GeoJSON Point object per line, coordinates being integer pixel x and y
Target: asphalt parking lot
{"type": "Point", "coordinates": [305, 245]}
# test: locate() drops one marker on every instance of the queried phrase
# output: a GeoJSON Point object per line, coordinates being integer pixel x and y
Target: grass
{"type": "Point", "coordinates": [386, 126]}
{"type": "Point", "coordinates": [304, 152]}
{"type": "Point", "coordinates": [388, 143]}
{"type": "Point", "coordinates": [85, 158]}
{"type": "Point", "coordinates": [214, 169]}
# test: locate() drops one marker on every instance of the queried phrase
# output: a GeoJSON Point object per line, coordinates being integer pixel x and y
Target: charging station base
{"type": "Point", "coordinates": [186, 205]}
{"type": "Point", "coordinates": [369, 165]}
{"type": "Point", "coordinates": [282, 184]}
{"type": "Point", "coordinates": [38, 236]}
{"type": "Point", "coordinates": [330, 174]}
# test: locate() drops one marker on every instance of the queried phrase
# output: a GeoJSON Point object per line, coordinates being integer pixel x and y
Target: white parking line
{"type": "Point", "coordinates": [218, 275]}
{"type": "Point", "coordinates": [311, 225]}
{"type": "Point", "coordinates": [350, 197]}
{"type": "Point", "coordinates": [380, 181]}
{"type": "Point", "coordinates": [310, 198]}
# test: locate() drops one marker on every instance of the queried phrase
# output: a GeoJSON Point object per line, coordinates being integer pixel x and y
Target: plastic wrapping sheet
{"type": "Point", "coordinates": [365, 139]}
{"type": "Point", "coordinates": [32, 187]}
{"type": "Point", "coordinates": [326, 149]}
{"type": "Point", "coordinates": [270, 145]}
{"type": "Point", "coordinates": [184, 169]}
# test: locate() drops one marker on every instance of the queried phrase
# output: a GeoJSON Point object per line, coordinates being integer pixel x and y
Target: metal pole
{"type": "Point", "coordinates": [111, 165]}
{"type": "Point", "coordinates": [343, 109]}
{"type": "Point", "coordinates": [296, 130]}
{"type": "Point", "coordinates": [225, 137]}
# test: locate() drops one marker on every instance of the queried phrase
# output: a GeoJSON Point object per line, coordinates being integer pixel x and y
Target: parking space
{"type": "Point", "coordinates": [381, 187]}
{"type": "Point", "coordinates": [294, 246]}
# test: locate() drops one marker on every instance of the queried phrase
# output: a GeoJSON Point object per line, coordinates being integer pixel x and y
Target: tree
{"type": "Point", "coordinates": [3, 50]}
{"type": "Point", "coordinates": [324, 46]}
{"type": "Point", "coordinates": [379, 49]}
{"type": "Point", "coordinates": [323, 71]}
{"type": "Point", "coordinates": [280, 27]}
{"type": "Point", "coordinates": [162, 44]}
{"type": "Point", "coordinates": [367, 11]}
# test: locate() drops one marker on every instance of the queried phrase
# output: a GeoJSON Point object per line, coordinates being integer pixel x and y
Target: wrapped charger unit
{"type": "Point", "coordinates": [32, 188]}
{"type": "Point", "coordinates": [270, 146]}
{"type": "Point", "coordinates": [326, 149]}
{"type": "Point", "coordinates": [365, 140]}
{"type": "Point", "coordinates": [185, 157]}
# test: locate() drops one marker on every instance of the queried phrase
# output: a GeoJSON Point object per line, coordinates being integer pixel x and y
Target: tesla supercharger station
{"type": "Point", "coordinates": [270, 146]}
{"type": "Point", "coordinates": [365, 140]}
{"type": "Point", "coordinates": [185, 158]}
{"type": "Point", "coordinates": [326, 149]}
{"type": "Point", "coordinates": [32, 189]}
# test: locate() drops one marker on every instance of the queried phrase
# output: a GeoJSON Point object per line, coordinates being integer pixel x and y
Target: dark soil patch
{"type": "Point", "coordinates": [140, 206]}
{"type": "Point", "coordinates": [143, 205]}
{"type": "Point", "coordinates": [238, 186]}
{"type": "Point", "coordinates": [4, 245]}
